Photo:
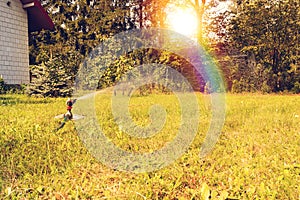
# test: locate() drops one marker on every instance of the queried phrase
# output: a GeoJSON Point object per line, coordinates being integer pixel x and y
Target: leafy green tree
{"type": "Point", "coordinates": [80, 26]}
{"type": "Point", "coordinates": [270, 31]}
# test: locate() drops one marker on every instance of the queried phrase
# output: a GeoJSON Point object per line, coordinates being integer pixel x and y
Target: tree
{"type": "Point", "coordinates": [54, 76]}
{"type": "Point", "coordinates": [82, 25]}
{"type": "Point", "coordinates": [79, 27]}
{"type": "Point", "coordinates": [199, 8]}
{"type": "Point", "coordinates": [270, 30]}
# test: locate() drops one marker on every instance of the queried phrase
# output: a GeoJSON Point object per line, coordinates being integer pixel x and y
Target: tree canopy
{"type": "Point", "coordinates": [256, 42]}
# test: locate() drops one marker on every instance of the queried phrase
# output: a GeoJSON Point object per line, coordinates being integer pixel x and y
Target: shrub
{"type": "Point", "coordinates": [296, 88]}
{"type": "Point", "coordinates": [54, 77]}
{"type": "Point", "coordinates": [3, 86]}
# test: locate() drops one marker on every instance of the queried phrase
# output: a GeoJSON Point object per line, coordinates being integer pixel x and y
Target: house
{"type": "Point", "coordinates": [17, 19]}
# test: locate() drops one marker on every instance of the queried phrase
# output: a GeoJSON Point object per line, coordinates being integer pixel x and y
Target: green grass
{"type": "Point", "coordinates": [256, 157]}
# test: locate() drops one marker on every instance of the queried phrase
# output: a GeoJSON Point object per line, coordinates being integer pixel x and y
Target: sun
{"type": "Point", "coordinates": [182, 20]}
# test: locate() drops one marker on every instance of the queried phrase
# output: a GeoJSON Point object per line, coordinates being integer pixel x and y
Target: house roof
{"type": "Point", "coordinates": [38, 18]}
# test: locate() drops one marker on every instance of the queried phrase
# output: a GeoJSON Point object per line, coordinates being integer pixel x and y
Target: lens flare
{"type": "Point", "coordinates": [183, 21]}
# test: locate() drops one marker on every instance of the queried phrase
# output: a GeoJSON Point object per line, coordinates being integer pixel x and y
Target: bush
{"type": "Point", "coordinates": [55, 77]}
{"type": "Point", "coordinates": [296, 88]}
{"type": "Point", "coordinates": [4, 88]}
{"type": "Point", "coordinates": [265, 88]}
{"type": "Point", "coordinates": [11, 88]}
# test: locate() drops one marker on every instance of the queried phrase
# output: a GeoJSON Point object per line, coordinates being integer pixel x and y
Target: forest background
{"type": "Point", "coordinates": [255, 43]}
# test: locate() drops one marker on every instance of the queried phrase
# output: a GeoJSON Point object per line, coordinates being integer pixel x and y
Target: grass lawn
{"type": "Point", "coordinates": [256, 157]}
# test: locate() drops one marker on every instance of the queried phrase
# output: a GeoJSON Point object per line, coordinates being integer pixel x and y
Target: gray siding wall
{"type": "Point", "coordinates": [14, 55]}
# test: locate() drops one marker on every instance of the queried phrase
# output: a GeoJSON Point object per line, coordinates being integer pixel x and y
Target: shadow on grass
{"type": "Point", "coordinates": [10, 100]}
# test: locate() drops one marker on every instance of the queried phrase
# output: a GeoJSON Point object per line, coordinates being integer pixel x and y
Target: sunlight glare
{"type": "Point", "coordinates": [183, 21]}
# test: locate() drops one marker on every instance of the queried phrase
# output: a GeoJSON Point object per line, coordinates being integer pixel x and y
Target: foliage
{"type": "Point", "coordinates": [268, 30]}
{"type": "Point", "coordinates": [296, 88]}
{"type": "Point", "coordinates": [54, 77]}
{"type": "Point", "coordinates": [11, 88]}
{"type": "Point", "coordinates": [79, 27]}
{"type": "Point", "coordinates": [119, 67]}
{"type": "Point", "coordinates": [255, 42]}
{"type": "Point", "coordinates": [2, 86]}
{"type": "Point", "coordinates": [82, 25]}
{"type": "Point", "coordinates": [256, 156]}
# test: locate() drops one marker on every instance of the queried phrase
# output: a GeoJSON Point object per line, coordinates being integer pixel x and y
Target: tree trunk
{"type": "Point", "coordinates": [141, 14]}
{"type": "Point", "coordinates": [200, 11]}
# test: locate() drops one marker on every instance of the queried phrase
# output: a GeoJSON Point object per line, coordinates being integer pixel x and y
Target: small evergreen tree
{"type": "Point", "coordinates": [54, 77]}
